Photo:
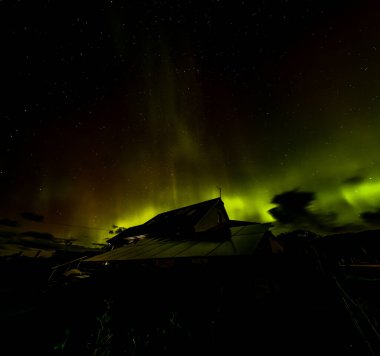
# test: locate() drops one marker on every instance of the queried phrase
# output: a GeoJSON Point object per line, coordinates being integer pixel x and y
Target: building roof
{"type": "Point", "coordinates": [187, 216]}
{"type": "Point", "coordinates": [233, 241]}
{"type": "Point", "coordinates": [182, 220]}
{"type": "Point", "coordinates": [200, 230]}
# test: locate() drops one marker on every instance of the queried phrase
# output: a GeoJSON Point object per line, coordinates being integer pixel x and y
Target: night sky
{"type": "Point", "coordinates": [114, 111]}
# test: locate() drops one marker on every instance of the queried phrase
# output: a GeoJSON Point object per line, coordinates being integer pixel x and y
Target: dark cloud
{"type": "Point", "coordinates": [39, 235]}
{"type": "Point", "coordinates": [293, 210]}
{"type": "Point", "coordinates": [40, 240]}
{"type": "Point", "coordinates": [292, 206]}
{"type": "Point", "coordinates": [353, 180]}
{"type": "Point", "coordinates": [32, 216]}
{"type": "Point", "coordinates": [9, 223]}
{"type": "Point", "coordinates": [371, 217]}
{"type": "Point", "coordinates": [29, 240]}
{"type": "Point", "coordinates": [8, 234]}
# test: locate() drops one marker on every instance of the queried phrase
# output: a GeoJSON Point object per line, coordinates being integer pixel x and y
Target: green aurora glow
{"type": "Point", "coordinates": [179, 123]}
{"type": "Point", "coordinates": [178, 160]}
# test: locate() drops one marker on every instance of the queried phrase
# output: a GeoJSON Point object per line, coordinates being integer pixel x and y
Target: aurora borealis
{"type": "Point", "coordinates": [116, 111]}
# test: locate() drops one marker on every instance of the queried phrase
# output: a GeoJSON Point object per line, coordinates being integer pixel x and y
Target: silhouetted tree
{"type": "Point", "coordinates": [116, 230]}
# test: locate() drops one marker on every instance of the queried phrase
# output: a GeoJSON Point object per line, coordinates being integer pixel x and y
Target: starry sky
{"type": "Point", "coordinates": [114, 111]}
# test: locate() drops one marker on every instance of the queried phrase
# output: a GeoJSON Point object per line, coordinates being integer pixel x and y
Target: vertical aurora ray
{"type": "Point", "coordinates": [173, 160]}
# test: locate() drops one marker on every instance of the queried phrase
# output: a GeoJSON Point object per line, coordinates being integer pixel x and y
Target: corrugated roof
{"type": "Point", "coordinates": [243, 240]}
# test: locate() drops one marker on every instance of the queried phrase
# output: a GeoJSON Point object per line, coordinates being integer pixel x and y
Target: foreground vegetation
{"type": "Point", "coordinates": [292, 302]}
